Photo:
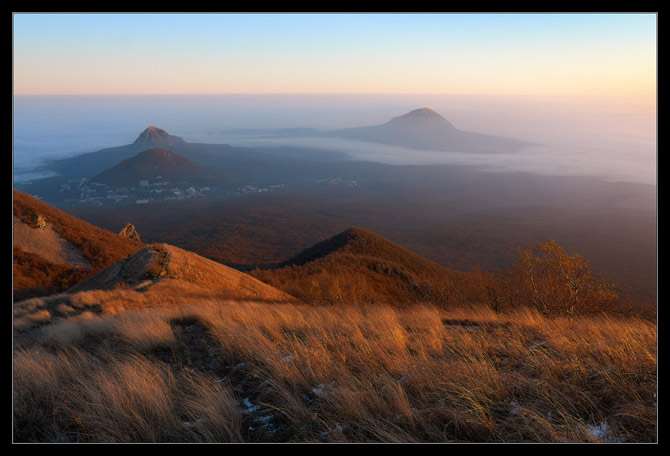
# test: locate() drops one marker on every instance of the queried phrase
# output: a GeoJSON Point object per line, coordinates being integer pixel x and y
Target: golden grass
{"type": "Point", "coordinates": [335, 374]}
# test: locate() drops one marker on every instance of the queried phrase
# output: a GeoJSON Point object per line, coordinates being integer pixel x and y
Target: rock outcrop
{"type": "Point", "coordinates": [40, 222]}
{"type": "Point", "coordinates": [130, 232]}
{"type": "Point", "coordinates": [162, 268]}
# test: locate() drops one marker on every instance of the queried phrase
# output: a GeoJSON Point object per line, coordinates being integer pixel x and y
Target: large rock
{"type": "Point", "coordinates": [162, 268]}
{"type": "Point", "coordinates": [130, 232]}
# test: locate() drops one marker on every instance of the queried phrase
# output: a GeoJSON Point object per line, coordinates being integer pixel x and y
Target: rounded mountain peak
{"type": "Point", "coordinates": [423, 112]}
{"type": "Point", "coordinates": [421, 118]}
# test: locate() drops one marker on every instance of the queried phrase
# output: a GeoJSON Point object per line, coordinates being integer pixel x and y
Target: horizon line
{"type": "Point", "coordinates": [499, 94]}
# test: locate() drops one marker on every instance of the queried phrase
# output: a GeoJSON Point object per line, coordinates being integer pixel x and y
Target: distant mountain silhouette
{"type": "Point", "coordinates": [162, 266]}
{"type": "Point", "coordinates": [425, 129]}
{"type": "Point", "coordinates": [153, 164]}
{"type": "Point", "coordinates": [92, 163]}
{"type": "Point", "coordinates": [54, 250]}
{"type": "Point", "coordinates": [365, 267]}
{"type": "Point", "coordinates": [229, 162]}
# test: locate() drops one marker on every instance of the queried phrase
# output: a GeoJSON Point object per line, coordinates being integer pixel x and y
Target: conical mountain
{"type": "Point", "coordinates": [358, 265]}
{"type": "Point", "coordinates": [152, 165]}
{"type": "Point", "coordinates": [165, 268]}
{"type": "Point", "coordinates": [425, 129]}
{"type": "Point", "coordinates": [92, 163]}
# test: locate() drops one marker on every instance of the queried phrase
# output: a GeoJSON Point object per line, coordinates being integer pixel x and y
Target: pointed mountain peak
{"type": "Point", "coordinates": [156, 137]}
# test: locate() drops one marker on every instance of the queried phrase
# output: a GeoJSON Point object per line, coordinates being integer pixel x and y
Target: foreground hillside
{"type": "Point", "coordinates": [208, 370]}
{"type": "Point", "coordinates": [355, 339]}
{"type": "Point", "coordinates": [53, 250]}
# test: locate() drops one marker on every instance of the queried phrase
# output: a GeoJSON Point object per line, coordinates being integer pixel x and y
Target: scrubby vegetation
{"type": "Point", "coordinates": [36, 276]}
{"type": "Point", "coordinates": [359, 267]}
{"type": "Point", "coordinates": [242, 371]}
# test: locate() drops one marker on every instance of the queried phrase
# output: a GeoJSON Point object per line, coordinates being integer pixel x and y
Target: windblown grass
{"type": "Point", "coordinates": [242, 371]}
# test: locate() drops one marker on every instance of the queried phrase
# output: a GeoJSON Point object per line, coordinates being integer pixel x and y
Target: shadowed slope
{"type": "Point", "coordinates": [152, 164]}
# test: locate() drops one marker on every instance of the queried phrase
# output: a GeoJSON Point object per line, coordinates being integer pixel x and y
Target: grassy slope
{"type": "Point", "coordinates": [229, 371]}
{"type": "Point", "coordinates": [100, 247]}
{"type": "Point", "coordinates": [360, 266]}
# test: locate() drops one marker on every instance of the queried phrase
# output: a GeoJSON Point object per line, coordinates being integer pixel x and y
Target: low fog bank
{"type": "Point", "coordinates": [613, 138]}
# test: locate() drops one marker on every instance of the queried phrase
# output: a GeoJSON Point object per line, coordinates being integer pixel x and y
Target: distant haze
{"type": "Point", "coordinates": [609, 137]}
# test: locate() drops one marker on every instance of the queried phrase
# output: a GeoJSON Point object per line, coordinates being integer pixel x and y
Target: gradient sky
{"type": "Point", "coordinates": [524, 54]}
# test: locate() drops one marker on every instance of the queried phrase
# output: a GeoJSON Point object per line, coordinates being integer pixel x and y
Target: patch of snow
{"type": "Point", "coordinates": [514, 409]}
{"type": "Point", "coordinates": [264, 419]}
{"type": "Point", "coordinates": [319, 390]}
{"type": "Point", "coordinates": [250, 408]}
{"type": "Point", "coordinates": [192, 424]}
{"type": "Point", "coordinates": [603, 433]}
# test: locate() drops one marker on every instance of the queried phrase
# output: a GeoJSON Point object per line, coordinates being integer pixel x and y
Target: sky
{"type": "Point", "coordinates": [506, 54]}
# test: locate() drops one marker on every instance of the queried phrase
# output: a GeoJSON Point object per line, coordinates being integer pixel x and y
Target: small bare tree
{"type": "Point", "coordinates": [563, 284]}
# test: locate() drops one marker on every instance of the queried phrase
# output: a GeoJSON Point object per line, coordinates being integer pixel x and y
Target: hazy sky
{"type": "Point", "coordinates": [537, 54]}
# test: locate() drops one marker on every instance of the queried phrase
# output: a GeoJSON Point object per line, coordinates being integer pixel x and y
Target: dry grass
{"type": "Point", "coordinates": [242, 371]}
